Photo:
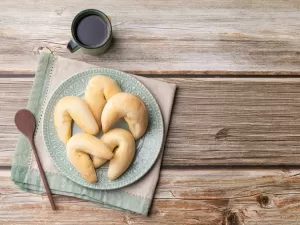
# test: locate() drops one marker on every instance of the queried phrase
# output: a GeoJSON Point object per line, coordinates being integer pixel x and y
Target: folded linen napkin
{"type": "Point", "coordinates": [51, 71]}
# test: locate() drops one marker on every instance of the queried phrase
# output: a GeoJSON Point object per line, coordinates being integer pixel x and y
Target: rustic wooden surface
{"type": "Point", "coordinates": [160, 37]}
{"type": "Point", "coordinates": [217, 197]}
{"type": "Point", "coordinates": [216, 121]}
{"type": "Point", "coordinates": [235, 64]}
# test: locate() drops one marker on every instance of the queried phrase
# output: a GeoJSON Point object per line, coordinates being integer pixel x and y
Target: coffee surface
{"type": "Point", "coordinates": [91, 30]}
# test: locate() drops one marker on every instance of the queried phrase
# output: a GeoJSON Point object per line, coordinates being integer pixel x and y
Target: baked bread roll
{"type": "Point", "coordinates": [78, 148]}
{"type": "Point", "coordinates": [129, 106]}
{"type": "Point", "coordinates": [73, 108]}
{"type": "Point", "coordinates": [123, 144]}
{"type": "Point", "coordinates": [99, 90]}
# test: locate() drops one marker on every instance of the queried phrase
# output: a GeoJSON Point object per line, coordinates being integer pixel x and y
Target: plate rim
{"type": "Point", "coordinates": [161, 140]}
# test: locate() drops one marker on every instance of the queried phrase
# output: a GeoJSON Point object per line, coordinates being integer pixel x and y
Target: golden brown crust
{"type": "Point", "coordinates": [72, 108]}
{"type": "Point", "coordinates": [98, 91]}
{"type": "Point", "coordinates": [129, 106]}
{"type": "Point", "coordinates": [123, 144]}
{"type": "Point", "coordinates": [78, 149]}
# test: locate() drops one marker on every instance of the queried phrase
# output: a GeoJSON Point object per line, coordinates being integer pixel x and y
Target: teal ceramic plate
{"type": "Point", "coordinates": [148, 147]}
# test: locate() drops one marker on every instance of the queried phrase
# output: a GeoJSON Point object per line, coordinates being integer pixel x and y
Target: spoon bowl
{"type": "Point", "coordinates": [25, 123]}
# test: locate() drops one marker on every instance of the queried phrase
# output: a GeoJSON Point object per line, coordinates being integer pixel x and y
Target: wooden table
{"type": "Point", "coordinates": [233, 149]}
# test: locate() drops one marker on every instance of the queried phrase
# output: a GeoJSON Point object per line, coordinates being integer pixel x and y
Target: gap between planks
{"type": "Point", "coordinates": [4, 169]}
{"type": "Point", "coordinates": [176, 74]}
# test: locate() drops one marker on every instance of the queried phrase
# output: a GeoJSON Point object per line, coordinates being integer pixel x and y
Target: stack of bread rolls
{"type": "Point", "coordinates": [103, 106]}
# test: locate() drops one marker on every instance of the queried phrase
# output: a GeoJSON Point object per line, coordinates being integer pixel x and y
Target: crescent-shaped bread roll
{"type": "Point", "coordinates": [123, 144]}
{"type": "Point", "coordinates": [129, 106]}
{"type": "Point", "coordinates": [78, 148]}
{"type": "Point", "coordinates": [73, 108]}
{"type": "Point", "coordinates": [99, 90]}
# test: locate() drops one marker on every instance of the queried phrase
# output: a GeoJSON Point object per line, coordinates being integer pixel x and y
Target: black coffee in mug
{"type": "Point", "coordinates": [91, 30]}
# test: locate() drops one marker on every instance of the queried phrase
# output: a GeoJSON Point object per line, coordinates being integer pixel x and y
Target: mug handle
{"type": "Point", "coordinates": [73, 46]}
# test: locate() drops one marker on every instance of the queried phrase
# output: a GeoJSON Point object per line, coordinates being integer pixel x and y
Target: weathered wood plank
{"type": "Point", "coordinates": [219, 197]}
{"type": "Point", "coordinates": [217, 121]}
{"type": "Point", "coordinates": [160, 37]}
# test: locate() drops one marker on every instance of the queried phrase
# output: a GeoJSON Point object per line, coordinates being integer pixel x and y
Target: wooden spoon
{"type": "Point", "coordinates": [25, 123]}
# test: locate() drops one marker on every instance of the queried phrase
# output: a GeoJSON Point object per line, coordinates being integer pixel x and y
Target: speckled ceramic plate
{"type": "Point", "coordinates": [148, 147]}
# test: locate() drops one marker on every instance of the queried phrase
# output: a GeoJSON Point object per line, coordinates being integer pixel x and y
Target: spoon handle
{"type": "Point", "coordinates": [43, 176]}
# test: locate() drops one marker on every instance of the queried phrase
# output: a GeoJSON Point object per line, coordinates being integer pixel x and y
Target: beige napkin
{"type": "Point", "coordinates": [140, 193]}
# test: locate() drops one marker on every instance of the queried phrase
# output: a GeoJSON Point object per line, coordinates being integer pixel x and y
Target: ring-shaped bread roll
{"type": "Point", "coordinates": [129, 106]}
{"type": "Point", "coordinates": [78, 148]}
{"type": "Point", "coordinates": [71, 108]}
{"type": "Point", "coordinates": [98, 91]}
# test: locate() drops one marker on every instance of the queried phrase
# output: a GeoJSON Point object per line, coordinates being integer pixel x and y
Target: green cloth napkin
{"type": "Point", "coordinates": [51, 71]}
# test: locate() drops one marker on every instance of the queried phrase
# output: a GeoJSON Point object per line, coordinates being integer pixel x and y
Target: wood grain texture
{"type": "Point", "coordinates": [218, 121]}
{"type": "Point", "coordinates": [161, 37]}
{"type": "Point", "coordinates": [218, 197]}
{"type": "Point", "coordinates": [13, 97]}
